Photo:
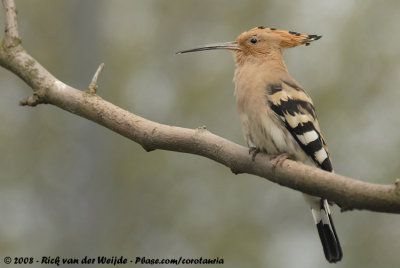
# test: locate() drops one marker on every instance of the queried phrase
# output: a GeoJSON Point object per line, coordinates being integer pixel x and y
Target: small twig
{"type": "Point", "coordinates": [11, 30]}
{"type": "Point", "coordinates": [31, 101]}
{"type": "Point", "coordinates": [93, 85]}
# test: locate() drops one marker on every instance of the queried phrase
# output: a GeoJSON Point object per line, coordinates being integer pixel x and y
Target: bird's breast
{"type": "Point", "coordinates": [261, 127]}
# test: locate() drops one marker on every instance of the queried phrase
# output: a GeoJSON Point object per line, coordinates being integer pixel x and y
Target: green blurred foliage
{"type": "Point", "coordinates": [72, 188]}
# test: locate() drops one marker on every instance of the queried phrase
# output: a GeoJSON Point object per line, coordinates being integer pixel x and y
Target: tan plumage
{"type": "Point", "coordinates": [277, 115]}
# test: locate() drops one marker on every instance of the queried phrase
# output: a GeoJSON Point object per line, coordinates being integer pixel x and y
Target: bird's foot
{"type": "Point", "coordinates": [254, 151]}
{"type": "Point", "coordinates": [278, 159]}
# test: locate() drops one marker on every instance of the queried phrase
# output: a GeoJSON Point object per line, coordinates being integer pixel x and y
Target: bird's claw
{"type": "Point", "coordinates": [278, 159]}
{"type": "Point", "coordinates": [254, 151]}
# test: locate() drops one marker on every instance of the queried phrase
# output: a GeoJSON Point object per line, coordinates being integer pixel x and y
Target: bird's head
{"type": "Point", "coordinates": [261, 41]}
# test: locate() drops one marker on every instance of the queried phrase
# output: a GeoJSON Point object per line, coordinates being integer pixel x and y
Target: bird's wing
{"type": "Point", "coordinates": [295, 108]}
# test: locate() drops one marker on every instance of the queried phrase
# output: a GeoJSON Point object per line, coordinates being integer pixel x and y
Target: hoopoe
{"type": "Point", "coordinates": [277, 115]}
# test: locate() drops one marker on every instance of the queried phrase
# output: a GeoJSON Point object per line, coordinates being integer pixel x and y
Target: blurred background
{"type": "Point", "coordinates": [72, 188]}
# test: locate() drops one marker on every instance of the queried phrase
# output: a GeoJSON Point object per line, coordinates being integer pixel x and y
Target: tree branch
{"type": "Point", "coordinates": [346, 192]}
{"type": "Point", "coordinates": [11, 31]}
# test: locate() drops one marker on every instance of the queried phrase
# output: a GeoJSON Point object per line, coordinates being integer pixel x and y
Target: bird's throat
{"type": "Point", "coordinates": [273, 59]}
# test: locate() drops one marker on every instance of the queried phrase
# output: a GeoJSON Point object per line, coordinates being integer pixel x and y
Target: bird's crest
{"type": "Point", "coordinates": [288, 38]}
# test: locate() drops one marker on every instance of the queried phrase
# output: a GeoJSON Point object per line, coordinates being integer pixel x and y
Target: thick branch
{"type": "Point", "coordinates": [348, 193]}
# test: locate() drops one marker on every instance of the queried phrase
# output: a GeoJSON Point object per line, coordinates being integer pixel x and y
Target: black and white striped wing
{"type": "Point", "coordinates": [294, 107]}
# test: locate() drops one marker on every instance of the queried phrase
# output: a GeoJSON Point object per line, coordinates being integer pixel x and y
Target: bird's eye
{"type": "Point", "coordinates": [253, 40]}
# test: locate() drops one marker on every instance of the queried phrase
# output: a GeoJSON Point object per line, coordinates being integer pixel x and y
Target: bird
{"type": "Point", "coordinates": [277, 115]}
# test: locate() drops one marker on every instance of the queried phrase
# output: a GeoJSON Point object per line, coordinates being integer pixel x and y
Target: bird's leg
{"type": "Point", "coordinates": [278, 159]}
{"type": "Point", "coordinates": [254, 151]}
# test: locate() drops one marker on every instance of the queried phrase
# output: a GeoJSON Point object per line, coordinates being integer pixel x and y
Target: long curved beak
{"type": "Point", "coordinates": [227, 45]}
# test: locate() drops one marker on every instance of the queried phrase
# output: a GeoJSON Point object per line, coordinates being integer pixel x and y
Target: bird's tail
{"type": "Point", "coordinates": [326, 230]}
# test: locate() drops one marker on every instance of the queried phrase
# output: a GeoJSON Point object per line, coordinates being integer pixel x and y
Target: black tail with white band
{"type": "Point", "coordinates": [326, 229]}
